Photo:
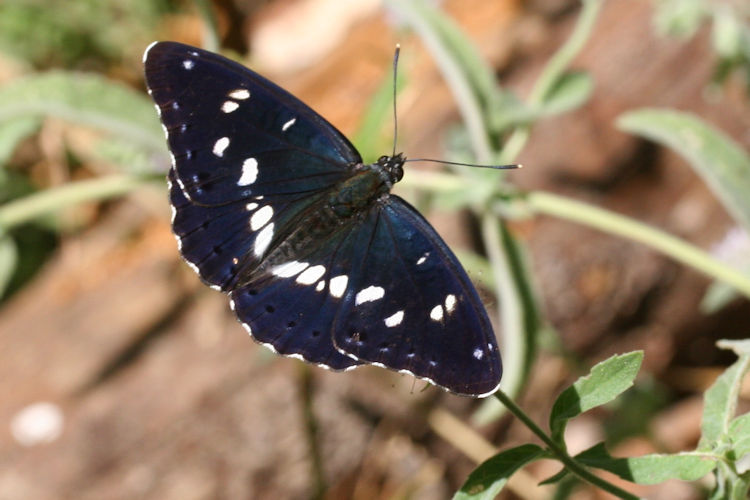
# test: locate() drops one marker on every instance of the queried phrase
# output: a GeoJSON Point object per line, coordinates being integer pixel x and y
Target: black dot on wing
{"type": "Point", "coordinates": [252, 292]}
{"type": "Point", "coordinates": [291, 325]}
{"type": "Point", "coordinates": [270, 308]}
{"type": "Point", "coordinates": [217, 250]}
{"type": "Point", "coordinates": [315, 333]}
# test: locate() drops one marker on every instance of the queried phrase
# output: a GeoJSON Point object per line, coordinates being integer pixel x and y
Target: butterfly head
{"type": "Point", "coordinates": [391, 168]}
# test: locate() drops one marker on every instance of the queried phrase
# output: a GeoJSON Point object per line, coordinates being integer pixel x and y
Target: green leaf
{"type": "Point", "coordinates": [8, 261]}
{"type": "Point", "coordinates": [555, 478]}
{"type": "Point", "coordinates": [727, 33]}
{"type": "Point", "coordinates": [487, 480]}
{"type": "Point", "coordinates": [606, 381]}
{"type": "Point", "coordinates": [14, 131]}
{"type": "Point", "coordinates": [720, 400]}
{"type": "Point", "coordinates": [720, 161]}
{"type": "Point", "coordinates": [650, 469]}
{"type": "Point", "coordinates": [570, 91]}
{"type": "Point", "coordinates": [739, 435]}
{"type": "Point", "coordinates": [680, 18]}
{"type": "Point", "coordinates": [85, 99]}
{"type": "Point", "coordinates": [718, 296]}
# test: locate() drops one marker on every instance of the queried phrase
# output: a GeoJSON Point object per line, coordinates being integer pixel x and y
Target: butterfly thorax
{"type": "Point", "coordinates": [368, 184]}
{"type": "Point", "coordinates": [347, 200]}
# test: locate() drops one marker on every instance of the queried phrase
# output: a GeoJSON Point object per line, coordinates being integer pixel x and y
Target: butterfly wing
{"type": "Point", "coordinates": [248, 158]}
{"type": "Point", "coordinates": [235, 135]}
{"type": "Point", "coordinates": [410, 306]}
{"type": "Point", "coordinates": [389, 292]}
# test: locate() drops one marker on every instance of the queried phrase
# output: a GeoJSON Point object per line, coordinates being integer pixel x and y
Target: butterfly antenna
{"type": "Point", "coordinates": [395, 79]}
{"type": "Point", "coordinates": [478, 165]}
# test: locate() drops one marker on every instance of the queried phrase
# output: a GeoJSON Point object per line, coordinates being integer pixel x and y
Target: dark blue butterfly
{"type": "Point", "coordinates": [274, 206]}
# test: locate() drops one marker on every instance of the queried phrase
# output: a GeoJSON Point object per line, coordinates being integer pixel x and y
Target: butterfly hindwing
{"type": "Point", "coordinates": [233, 134]}
{"type": "Point", "coordinates": [293, 306]}
{"type": "Point", "coordinates": [410, 306]}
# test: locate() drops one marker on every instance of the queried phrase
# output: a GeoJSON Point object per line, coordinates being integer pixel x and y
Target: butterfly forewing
{"type": "Point", "coordinates": [272, 205]}
{"type": "Point", "coordinates": [234, 134]}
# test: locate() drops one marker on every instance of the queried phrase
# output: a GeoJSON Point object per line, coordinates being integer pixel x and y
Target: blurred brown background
{"type": "Point", "coordinates": [157, 392]}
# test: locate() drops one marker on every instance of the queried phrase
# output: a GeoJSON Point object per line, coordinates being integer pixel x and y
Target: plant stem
{"type": "Point", "coordinates": [50, 200]}
{"type": "Point", "coordinates": [561, 454]}
{"type": "Point", "coordinates": [551, 75]}
{"type": "Point", "coordinates": [610, 222]}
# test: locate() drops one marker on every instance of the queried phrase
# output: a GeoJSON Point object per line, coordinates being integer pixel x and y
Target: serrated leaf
{"type": "Point", "coordinates": [720, 402]}
{"type": "Point", "coordinates": [606, 381]}
{"type": "Point", "coordinates": [650, 469]}
{"type": "Point", "coordinates": [720, 161]}
{"type": "Point", "coordinates": [14, 131]}
{"type": "Point", "coordinates": [8, 261]}
{"type": "Point", "coordinates": [487, 480]}
{"type": "Point", "coordinates": [85, 99]}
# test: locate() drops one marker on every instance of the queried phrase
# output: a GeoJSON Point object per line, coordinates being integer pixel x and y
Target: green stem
{"type": "Point", "coordinates": [569, 462]}
{"type": "Point", "coordinates": [50, 200]}
{"type": "Point", "coordinates": [510, 310]}
{"type": "Point", "coordinates": [610, 222]}
{"type": "Point", "coordinates": [551, 75]}
{"type": "Point", "coordinates": [413, 13]}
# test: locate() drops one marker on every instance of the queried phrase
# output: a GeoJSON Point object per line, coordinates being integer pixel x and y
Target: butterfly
{"type": "Point", "coordinates": [274, 207]}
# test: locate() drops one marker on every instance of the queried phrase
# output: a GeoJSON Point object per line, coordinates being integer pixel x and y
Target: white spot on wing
{"type": "Point", "coordinates": [394, 320]}
{"type": "Point", "coordinates": [311, 275]}
{"type": "Point", "coordinates": [251, 206]}
{"type": "Point", "coordinates": [437, 313]}
{"type": "Point", "coordinates": [261, 217]}
{"type": "Point", "coordinates": [289, 269]}
{"type": "Point", "coordinates": [220, 146]}
{"type": "Point", "coordinates": [288, 124]}
{"type": "Point", "coordinates": [450, 303]}
{"type": "Point", "coordinates": [423, 258]}
{"type": "Point", "coordinates": [320, 286]}
{"type": "Point", "coordinates": [369, 294]}
{"type": "Point", "coordinates": [188, 64]}
{"type": "Point", "coordinates": [263, 240]}
{"type": "Point", "coordinates": [338, 285]}
{"type": "Point", "coordinates": [478, 353]}
{"type": "Point", "coordinates": [229, 106]}
{"type": "Point", "coordinates": [249, 172]}
{"type": "Point", "coordinates": [240, 94]}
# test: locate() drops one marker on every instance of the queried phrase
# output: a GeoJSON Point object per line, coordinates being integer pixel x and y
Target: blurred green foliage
{"type": "Point", "coordinates": [70, 34]}
{"type": "Point", "coordinates": [730, 30]}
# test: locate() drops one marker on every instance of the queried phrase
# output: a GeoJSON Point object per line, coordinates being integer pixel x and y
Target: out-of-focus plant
{"type": "Point", "coordinates": [70, 34]}
{"type": "Point", "coordinates": [723, 450]}
{"type": "Point", "coordinates": [730, 30]}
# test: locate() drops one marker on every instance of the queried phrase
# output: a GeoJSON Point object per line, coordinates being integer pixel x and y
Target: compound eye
{"type": "Point", "coordinates": [383, 159]}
